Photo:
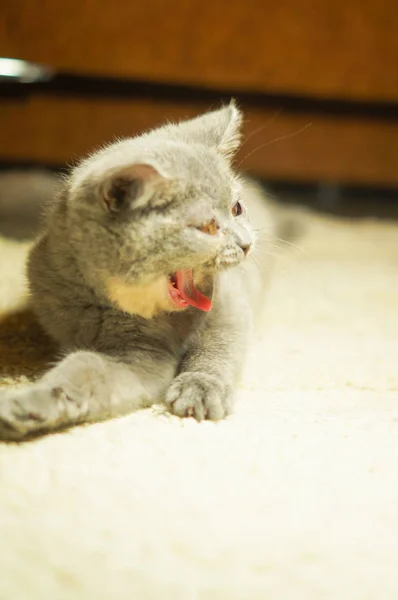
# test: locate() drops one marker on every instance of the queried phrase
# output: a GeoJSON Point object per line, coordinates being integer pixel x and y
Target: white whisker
{"type": "Point", "coordinates": [278, 139]}
{"type": "Point", "coordinates": [262, 127]}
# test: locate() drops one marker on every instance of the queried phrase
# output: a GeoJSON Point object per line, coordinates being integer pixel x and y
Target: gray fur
{"type": "Point", "coordinates": [132, 213]}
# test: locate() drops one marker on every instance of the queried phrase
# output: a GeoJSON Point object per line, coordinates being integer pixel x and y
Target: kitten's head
{"type": "Point", "coordinates": [155, 216]}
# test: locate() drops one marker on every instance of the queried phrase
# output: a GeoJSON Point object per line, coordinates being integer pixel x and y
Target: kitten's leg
{"type": "Point", "coordinates": [204, 389]}
{"type": "Point", "coordinates": [83, 387]}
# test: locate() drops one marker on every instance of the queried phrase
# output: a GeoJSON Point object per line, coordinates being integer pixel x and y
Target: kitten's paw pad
{"type": "Point", "coordinates": [25, 411]}
{"type": "Point", "coordinates": [199, 395]}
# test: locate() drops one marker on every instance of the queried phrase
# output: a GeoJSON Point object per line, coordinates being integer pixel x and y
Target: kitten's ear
{"type": "Point", "coordinates": [219, 129]}
{"type": "Point", "coordinates": [228, 136]}
{"type": "Point", "coordinates": [130, 186]}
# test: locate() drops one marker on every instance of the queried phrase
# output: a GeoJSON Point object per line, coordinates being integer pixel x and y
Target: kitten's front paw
{"type": "Point", "coordinates": [199, 395]}
{"type": "Point", "coordinates": [35, 408]}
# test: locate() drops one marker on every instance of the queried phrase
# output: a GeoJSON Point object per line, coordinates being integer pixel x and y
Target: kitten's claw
{"type": "Point", "coordinates": [35, 408]}
{"type": "Point", "coordinates": [199, 395]}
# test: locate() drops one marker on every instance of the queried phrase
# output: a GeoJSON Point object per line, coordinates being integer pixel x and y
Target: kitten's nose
{"type": "Point", "coordinates": [246, 248]}
{"type": "Point", "coordinates": [243, 240]}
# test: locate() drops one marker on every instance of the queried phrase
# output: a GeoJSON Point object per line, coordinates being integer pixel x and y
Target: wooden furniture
{"type": "Point", "coordinates": [319, 78]}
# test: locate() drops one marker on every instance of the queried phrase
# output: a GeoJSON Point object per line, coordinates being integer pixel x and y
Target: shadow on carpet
{"type": "Point", "coordinates": [25, 350]}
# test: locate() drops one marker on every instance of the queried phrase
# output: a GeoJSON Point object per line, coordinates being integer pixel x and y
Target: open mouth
{"type": "Point", "coordinates": [183, 292]}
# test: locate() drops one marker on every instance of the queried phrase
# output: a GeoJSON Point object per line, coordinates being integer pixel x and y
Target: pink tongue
{"type": "Point", "coordinates": [188, 291]}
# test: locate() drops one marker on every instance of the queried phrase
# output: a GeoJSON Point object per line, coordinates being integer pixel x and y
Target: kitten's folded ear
{"type": "Point", "coordinates": [219, 129]}
{"type": "Point", "coordinates": [130, 186]}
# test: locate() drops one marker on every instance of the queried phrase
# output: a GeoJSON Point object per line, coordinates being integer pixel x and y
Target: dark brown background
{"type": "Point", "coordinates": [321, 75]}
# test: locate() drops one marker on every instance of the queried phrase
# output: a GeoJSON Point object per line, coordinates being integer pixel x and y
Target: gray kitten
{"type": "Point", "coordinates": [139, 278]}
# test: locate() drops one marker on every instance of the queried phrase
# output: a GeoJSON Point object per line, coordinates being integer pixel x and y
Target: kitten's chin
{"type": "Point", "coordinates": [231, 256]}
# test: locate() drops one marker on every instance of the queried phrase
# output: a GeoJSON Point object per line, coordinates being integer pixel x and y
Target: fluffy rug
{"type": "Point", "coordinates": [293, 497]}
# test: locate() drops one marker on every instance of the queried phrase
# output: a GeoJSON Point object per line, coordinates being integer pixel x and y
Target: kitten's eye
{"type": "Point", "coordinates": [237, 209]}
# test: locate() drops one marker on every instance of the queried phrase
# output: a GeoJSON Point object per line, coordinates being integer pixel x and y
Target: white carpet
{"type": "Point", "coordinates": [293, 497]}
